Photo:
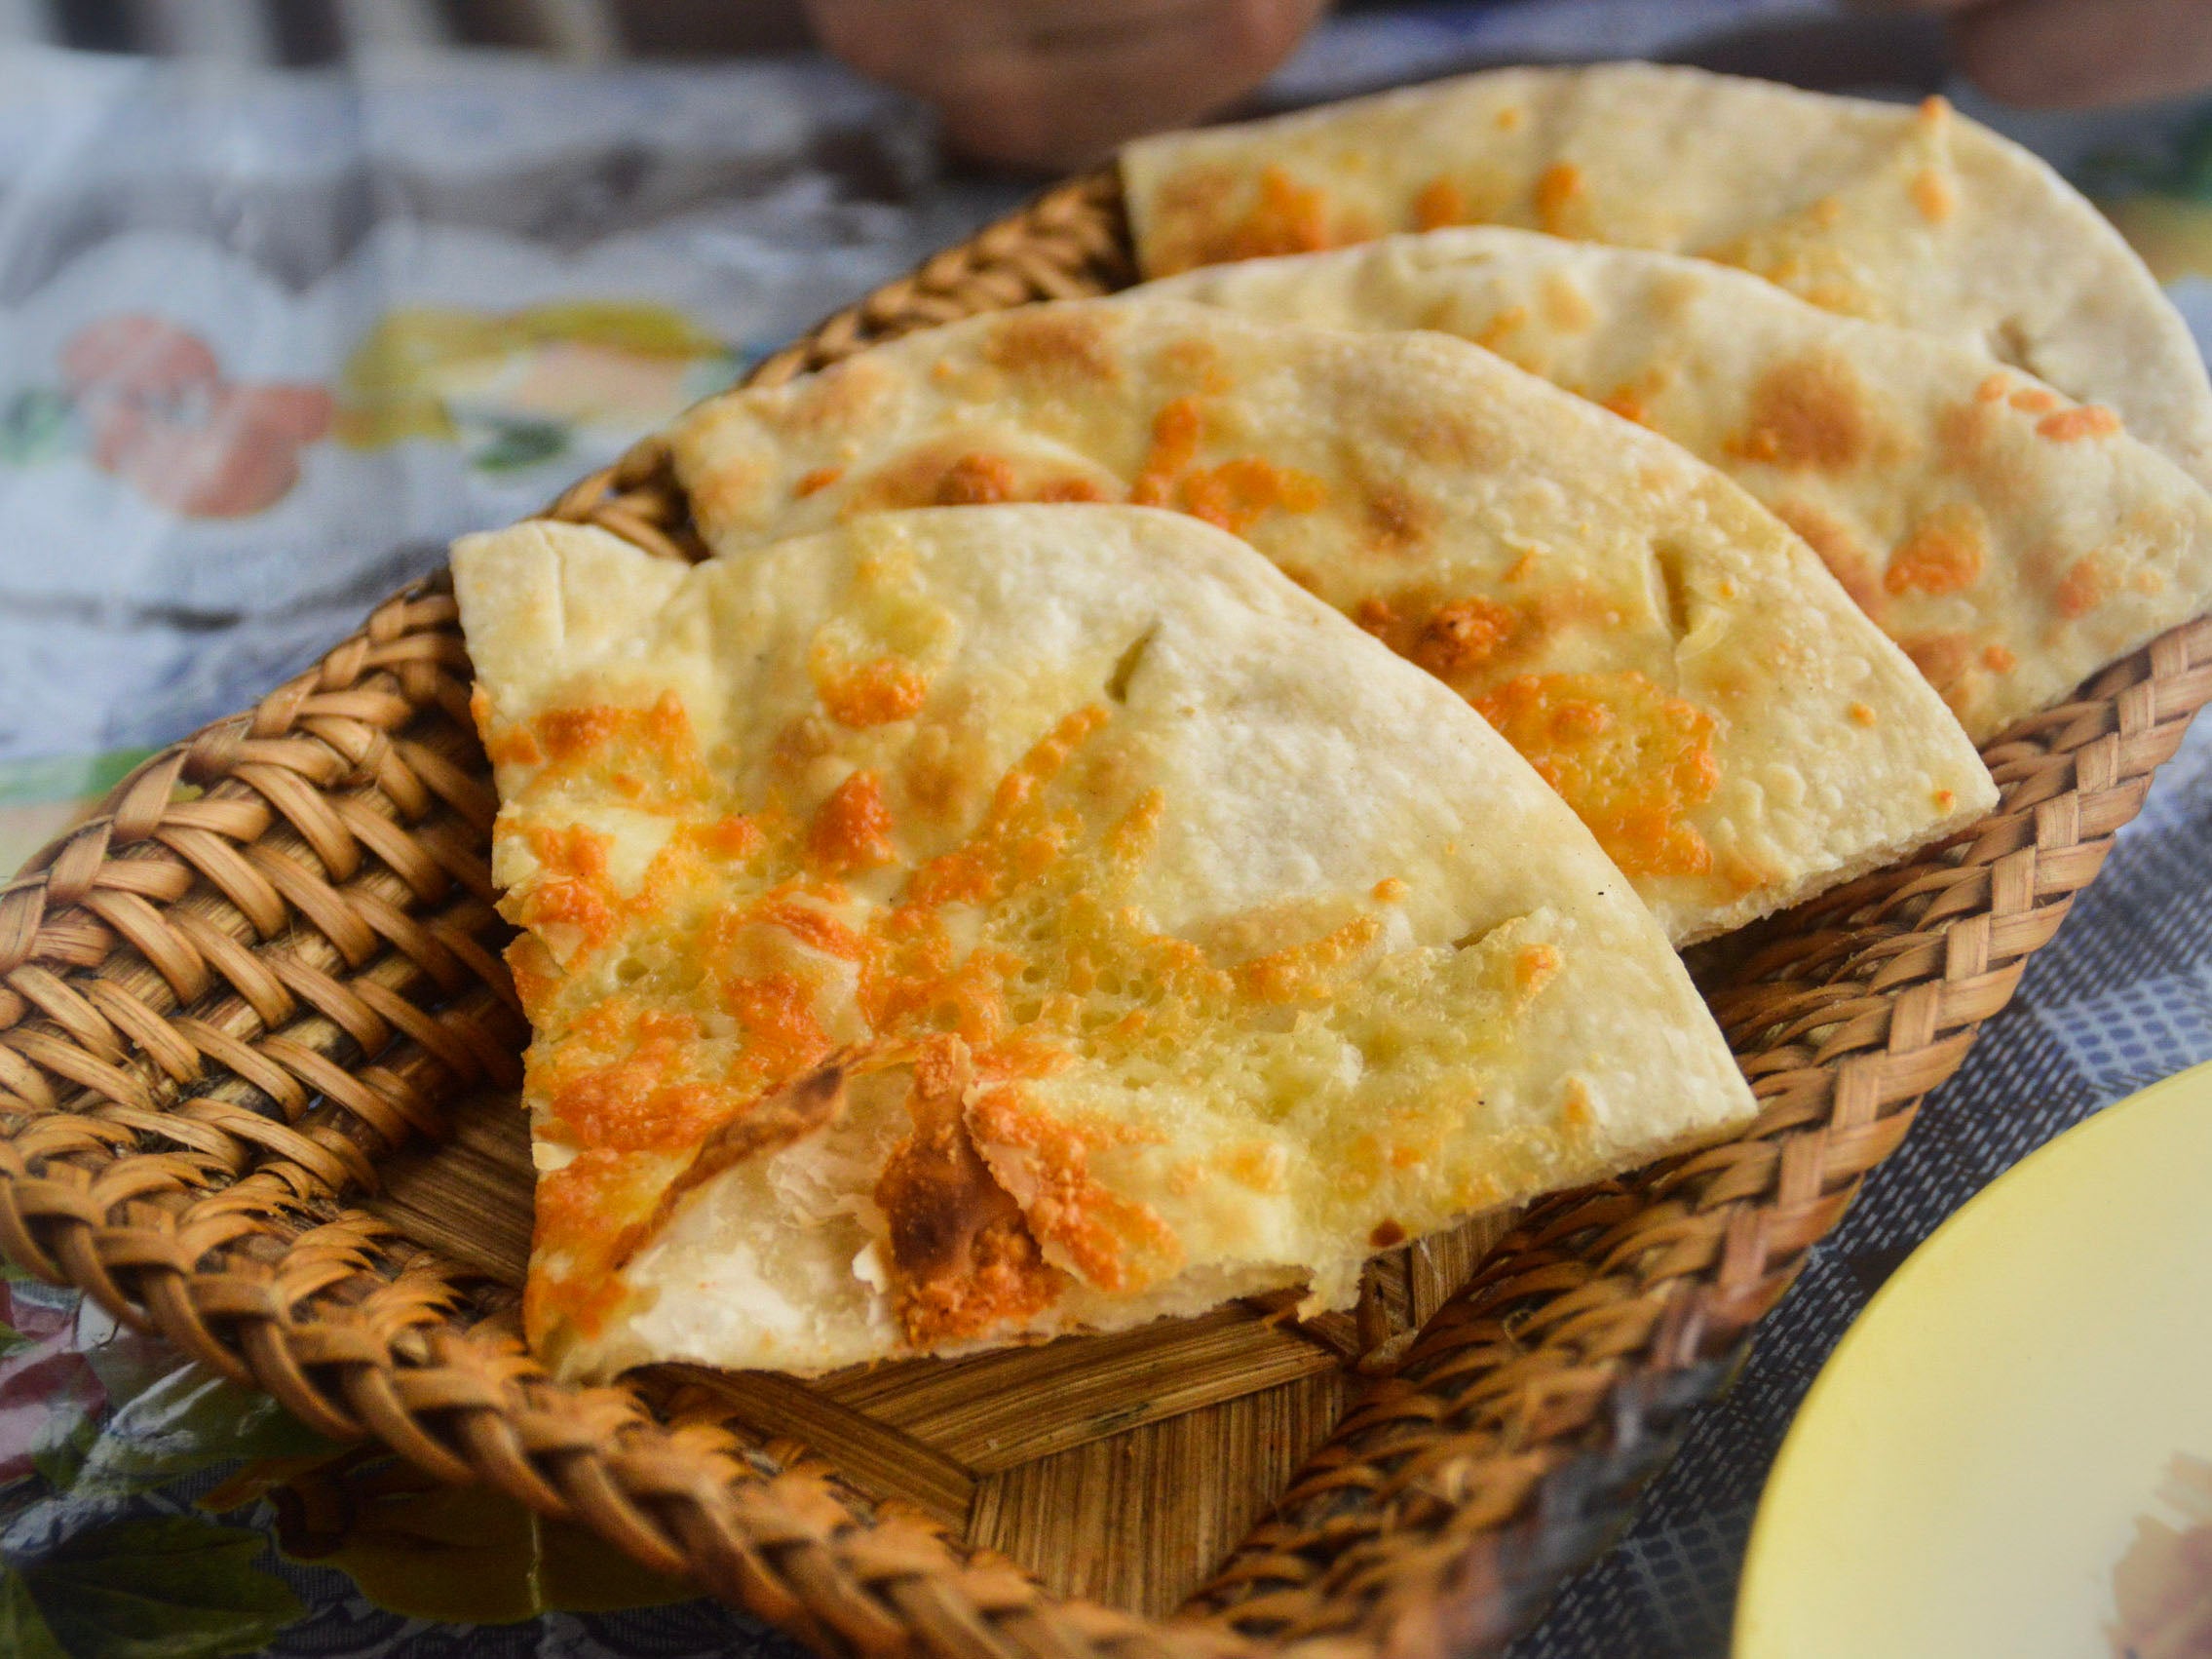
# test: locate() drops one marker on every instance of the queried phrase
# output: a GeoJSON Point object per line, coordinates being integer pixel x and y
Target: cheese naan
{"type": "Point", "coordinates": [964, 927]}
{"type": "Point", "coordinates": [2011, 540]}
{"type": "Point", "coordinates": [1921, 218]}
{"type": "Point", "coordinates": [1669, 656]}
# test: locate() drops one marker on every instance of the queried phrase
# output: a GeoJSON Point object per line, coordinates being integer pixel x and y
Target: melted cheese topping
{"type": "Point", "coordinates": [1484, 526]}
{"type": "Point", "coordinates": [1629, 759]}
{"type": "Point", "coordinates": [1285, 218]}
{"type": "Point", "coordinates": [1808, 414]}
{"type": "Point", "coordinates": [742, 959]}
{"type": "Point", "coordinates": [1945, 553]}
{"type": "Point", "coordinates": [1040, 999]}
{"type": "Point", "coordinates": [1919, 218]}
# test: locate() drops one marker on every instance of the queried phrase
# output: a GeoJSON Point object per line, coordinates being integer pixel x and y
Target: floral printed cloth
{"type": "Point", "coordinates": [266, 344]}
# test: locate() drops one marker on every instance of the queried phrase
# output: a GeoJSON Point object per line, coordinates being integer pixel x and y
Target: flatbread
{"type": "Point", "coordinates": [1921, 218]}
{"type": "Point", "coordinates": [2011, 540]}
{"type": "Point", "coordinates": [964, 927]}
{"type": "Point", "coordinates": [1669, 656]}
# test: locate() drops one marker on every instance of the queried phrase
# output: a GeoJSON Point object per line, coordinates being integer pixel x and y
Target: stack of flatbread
{"type": "Point", "coordinates": [1152, 800]}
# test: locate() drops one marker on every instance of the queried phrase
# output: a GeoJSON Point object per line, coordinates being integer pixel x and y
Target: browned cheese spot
{"type": "Point", "coordinates": [975, 481]}
{"type": "Point", "coordinates": [1114, 1242]}
{"type": "Point", "coordinates": [1231, 497]}
{"type": "Point", "coordinates": [731, 488]}
{"type": "Point", "coordinates": [850, 830]}
{"type": "Point", "coordinates": [1632, 761]}
{"type": "Point", "coordinates": [934, 477]}
{"type": "Point", "coordinates": [1627, 401]}
{"type": "Point", "coordinates": [1561, 199]}
{"type": "Point", "coordinates": [1440, 203]}
{"type": "Point", "coordinates": [1187, 212]}
{"type": "Point", "coordinates": [1397, 521]}
{"type": "Point", "coordinates": [1071, 351]}
{"type": "Point", "coordinates": [1175, 434]}
{"type": "Point", "coordinates": [1197, 360]}
{"type": "Point", "coordinates": [1284, 217]}
{"type": "Point", "coordinates": [1576, 1110]}
{"type": "Point", "coordinates": [2089, 420]}
{"type": "Point", "coordinates": [943, 773]}
{"type": "Point", "coordinates": [1933, 196]}
{"type": "Point", "coordinates": [1237, 494]}
{"type": "Point", "coordinates": [1941, 658]}
{"type": "Point", "coordinates": [1809, 412]}
{"type": "Point", "coordinates": [1533, 967]}
{"type": "Point", "coordinates": [2084, 588]}
{"type": "Point", "coordinates": [867, 694]}
{"type": "Point", "coordinates": [1463, 634]}
{"type": "Point", "coordinates": [805, 738]}
{"type": "Point", "coordinates": [963, 1260]}
{"type": "Point", "coordinates": [1300, 973]}
{"type": "Point", "coordinates": [1944, 555]}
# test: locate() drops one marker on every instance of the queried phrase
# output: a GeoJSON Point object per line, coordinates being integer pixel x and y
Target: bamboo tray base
{"type": "Point", "coordinates": [1073, 1458]}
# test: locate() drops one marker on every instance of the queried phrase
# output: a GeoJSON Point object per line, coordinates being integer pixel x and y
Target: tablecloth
{"type": "Point", "coordinates": [266, 342]}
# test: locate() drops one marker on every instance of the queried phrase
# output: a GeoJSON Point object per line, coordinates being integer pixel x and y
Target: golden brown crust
{"type": "Point", "coordinates": [1916, 218]}
{"type": "Point", "coordinates": [1948, 495]}
{"type": "Point", "coordinates": [1164, 1047]}
{"type": "Point", "coordinates": [1486, 525]}
{"type": "Point", "coordinates": [963, 1260]}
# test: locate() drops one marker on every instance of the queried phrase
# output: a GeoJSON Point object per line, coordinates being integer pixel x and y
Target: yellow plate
{"type": "Point", "coordinates": [2010, 1454]}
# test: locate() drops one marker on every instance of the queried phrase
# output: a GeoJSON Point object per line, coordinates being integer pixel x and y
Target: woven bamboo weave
{"type": "Point", "coordinates": [270, 963]}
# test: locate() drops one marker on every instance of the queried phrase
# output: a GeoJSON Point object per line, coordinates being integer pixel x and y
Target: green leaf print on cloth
{"type": "Point", "coordinates": [168, 1587]}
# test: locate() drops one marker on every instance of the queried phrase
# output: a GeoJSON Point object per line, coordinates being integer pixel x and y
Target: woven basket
{"type": "Point", "coordinates": [256, 1060]}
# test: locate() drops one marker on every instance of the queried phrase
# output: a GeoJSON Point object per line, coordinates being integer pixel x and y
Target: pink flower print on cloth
{"type": "Point", "coordinates": [160, 415]}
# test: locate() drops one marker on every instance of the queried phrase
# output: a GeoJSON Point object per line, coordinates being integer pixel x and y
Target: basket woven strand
{"type": "Point", "coordinates": [238, 998]}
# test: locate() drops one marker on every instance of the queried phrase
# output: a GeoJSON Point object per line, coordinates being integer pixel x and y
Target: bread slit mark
{"type": "Point", "coordinates": [1670, 594]}
{"type": "Point", "coordinates": [1469, 941]}
{"type": "Point", "coordinates": [1125, 666]}
{"type": "Point", "coordinates": [804, 1106]}
{"type": "Point", "coordinates": [2008, 340]}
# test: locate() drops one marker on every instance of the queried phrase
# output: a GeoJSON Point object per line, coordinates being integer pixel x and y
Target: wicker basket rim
{"type": "Point", "coordinates": [270, 958]}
